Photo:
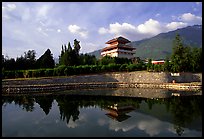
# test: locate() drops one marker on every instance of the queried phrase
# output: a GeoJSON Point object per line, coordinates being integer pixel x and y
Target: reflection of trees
{"type": "Point", "coordinates": [184, 110]}
{"type": "Point", "coordinates": [45, 103]}
{"type": "Point", "coordinates": [6, 99]}
{"type": "Point", "coordinates": [27, 102]}
{"type": "Point", "coordinates": [68, 107]}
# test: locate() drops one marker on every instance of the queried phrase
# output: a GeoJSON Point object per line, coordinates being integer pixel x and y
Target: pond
{"type": "Point", "coordinates": [96, 113]}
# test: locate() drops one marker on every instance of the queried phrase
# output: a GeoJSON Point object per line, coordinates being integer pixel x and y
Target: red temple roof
{"type": "Point", "coordinates": [118, 39]}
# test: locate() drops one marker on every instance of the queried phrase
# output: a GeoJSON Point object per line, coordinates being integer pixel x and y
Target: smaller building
{"type": "Point", "coordinates": [158, 61]}
{"type": "Point", "coordinates": [118, 47]}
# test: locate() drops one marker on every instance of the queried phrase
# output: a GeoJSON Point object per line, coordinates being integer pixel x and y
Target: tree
{"type": "Point", "coordinates": [196, 62]}
{"type": "Point", "coordinates": [69, 49]}
{"type": "Point", "coordinates": [20, 63]}
{"type": "Point", "coordinates": [86, 59]}
{"type": "Point", "coordinates": [30, 59]}
{"type": "Point", "coordinates": [149, 65]}
{"type": "Point", "coordinates": [9, 64]}
{"type": "Point", "coordinates": [177, 57]}
{"type": "Point", "coordinates": [167, 66]}
{"type": "Point", "coordinates": [46, 60]}
{"type": "Point", "coordinates": [76, 46]}
{"type": "Point", "coordinates": [70, 57]}
{"type": "Point", "coordinates": [106, 60]}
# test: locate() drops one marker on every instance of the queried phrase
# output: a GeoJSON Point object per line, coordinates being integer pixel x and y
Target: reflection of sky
{"type": "Point", "coordinates": [82, 119]}
{"type": "Point", "coordinates": [92, 122]}
{"type": "Point", "coordinates": [138, 122]}
{"type": "Point", "coordinates": [150, 125]}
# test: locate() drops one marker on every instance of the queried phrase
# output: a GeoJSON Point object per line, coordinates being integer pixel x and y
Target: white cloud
{"type": "Point", "coordinates": [102, 30]}
{"type": "Point", "coordinates": [59, 30]}
{"type": "Point", "coordinates": [78, 30]}
{"type": "Point", "coordinates": [175, 25]}
{"type": "Point", "coordinates": [119, 29]}
{"type": "Point", "coordinates": [6, 9]}
{"type": "Point", "coordinates": [9, 7]}
{"type": "Point", "coordinates": [150, 27]}
{"type": "Point", "coordinates": [132, 32]}
{"type": "Point", "coordinates": [191, 18]}
{"type": "Point", "coordinates": [43, 11]}
{"type": "Point", "coordinates": [198, 3]}
{"type": "Point", "coordinates": [157, 15]}
{"type": "Point", "coordinates": [147, 29]}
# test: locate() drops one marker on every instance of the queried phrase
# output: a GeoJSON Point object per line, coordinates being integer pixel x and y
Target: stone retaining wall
{"type": "Point", "coordinates": [128, 77]}
{"type": "Point", "coordinates": [156, 77]}
{"type": "Point", "coordinates": [138, 79]}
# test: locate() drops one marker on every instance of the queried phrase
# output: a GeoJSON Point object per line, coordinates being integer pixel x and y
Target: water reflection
{"type": "Point", "coordinates": [146, 116]}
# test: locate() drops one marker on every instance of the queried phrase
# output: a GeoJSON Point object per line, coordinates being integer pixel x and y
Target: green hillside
{"type": "Point", "coordinates": [160, 46]}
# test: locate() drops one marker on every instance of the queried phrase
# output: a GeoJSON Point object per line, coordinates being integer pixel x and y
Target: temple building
{"type": "Point", "coordinates": [117, 48]}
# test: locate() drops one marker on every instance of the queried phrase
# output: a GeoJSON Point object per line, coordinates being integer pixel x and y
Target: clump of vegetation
{"type": "Point", "coordinates": [183, 59]}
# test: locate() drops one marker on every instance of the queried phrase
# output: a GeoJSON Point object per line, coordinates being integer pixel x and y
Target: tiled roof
{"type": "Point", "coordinates": [118, 46]}
{"type": "Point", "coordinates": [119, 39]}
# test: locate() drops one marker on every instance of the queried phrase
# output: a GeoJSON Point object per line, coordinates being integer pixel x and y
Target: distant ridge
{"type": "Point", "coordinates": [160, 46]}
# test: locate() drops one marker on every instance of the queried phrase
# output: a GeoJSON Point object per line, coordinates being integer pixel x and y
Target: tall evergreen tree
{"type": "Point", "coordinates": [71, 56]}
{"type": "Point", "coordinates": [69, 49]}
{"type": "Point", "coordinates": [76, 46]}
{"type": "Point", "coordinates": [177, 57]}
{"type": "Point", "coordinates": [46, 60]}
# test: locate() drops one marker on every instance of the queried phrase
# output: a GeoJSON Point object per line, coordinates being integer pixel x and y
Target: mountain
{"type": "Point", "coordinates": [160, 46]}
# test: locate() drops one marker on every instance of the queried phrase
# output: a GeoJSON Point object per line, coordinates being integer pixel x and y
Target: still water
{"type": "Point", "coordinates": [85, 113]}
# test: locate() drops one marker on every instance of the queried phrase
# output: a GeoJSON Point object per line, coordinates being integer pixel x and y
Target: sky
{"type": "Point", "coordinates": [42, 25]}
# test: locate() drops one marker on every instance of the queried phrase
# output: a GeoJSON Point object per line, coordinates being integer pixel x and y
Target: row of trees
{"type": "Point", "coordinates": [28, 61]}
{"type": "Point", "coordinates": [183, 59]}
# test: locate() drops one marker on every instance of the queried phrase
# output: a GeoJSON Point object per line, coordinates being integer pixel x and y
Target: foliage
{"type": "Point", "coordinates": [185, 59]}
{"type": "Point", "coordinates": [69, 56]}
{"type": "Point", "coordinates": [46, 60]}
{"type": "Point", "coordinates": [149, 65]}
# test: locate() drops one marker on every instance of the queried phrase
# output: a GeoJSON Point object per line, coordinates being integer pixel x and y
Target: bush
{"type": "Point", "coordinates": [9, 74]}
{"type": "Point", "coordinates": [49, 72]}
{"type": "Point", "coordinates": [69, 70]}
{"type": "Point", "coordinates": [27, 73]}
{"type": "Point", "coordinates": [123, 67]}
{"type": "Point", "coordinates": [104, 68]}
{"type": "Point", "coordinates": [113, 67]}
{"type": "Point", "coordinates": [132, 67]}
{"type": "Point", "coordinates": [19, 74]}
{"type": "Point", "coordinates": [59, 71]}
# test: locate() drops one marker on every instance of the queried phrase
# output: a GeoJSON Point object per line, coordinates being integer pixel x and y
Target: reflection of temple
{"type": "Point", "coordinates": [118, 112]}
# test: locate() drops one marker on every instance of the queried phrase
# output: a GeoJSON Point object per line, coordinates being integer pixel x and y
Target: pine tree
{"type": "Point", "coordinates": [46, 60]}
{"type": "Point", "coordinates": [69, 47]}
{"type": "Point", "coordinates": [177, 57]}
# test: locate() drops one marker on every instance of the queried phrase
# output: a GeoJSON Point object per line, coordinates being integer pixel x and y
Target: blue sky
{"type": "Point", "coordinates": [42, 25]}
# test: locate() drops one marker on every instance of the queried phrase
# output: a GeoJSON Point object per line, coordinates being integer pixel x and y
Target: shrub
{"type": "Point", "coordinates": [9, 74]}
{"type": "Point", "coordinates": [49, 72]}
{"type": "Point", "coordinates": [123, 67]}
{"type": "Point", "coordinates": [19, 74]}
{"type": "Point", "coordinates": [59, 71]}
